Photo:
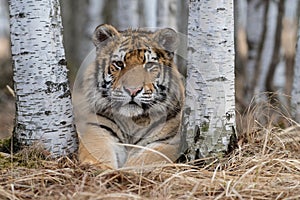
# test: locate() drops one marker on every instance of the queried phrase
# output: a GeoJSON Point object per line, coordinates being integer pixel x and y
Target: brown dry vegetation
{"type": "Point", "coordinates": [266, 165]}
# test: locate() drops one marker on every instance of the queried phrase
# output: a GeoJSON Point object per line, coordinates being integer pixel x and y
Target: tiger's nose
{"type": "Point", "coordinates": [133, 91]}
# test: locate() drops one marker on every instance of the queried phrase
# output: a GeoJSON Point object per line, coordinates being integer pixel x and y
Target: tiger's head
{"type": "Point", "coordinates": [135, 72]}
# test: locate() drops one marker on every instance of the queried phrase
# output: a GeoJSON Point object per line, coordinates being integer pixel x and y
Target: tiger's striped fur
{"type": "Point", "coordinates": [130, 100]}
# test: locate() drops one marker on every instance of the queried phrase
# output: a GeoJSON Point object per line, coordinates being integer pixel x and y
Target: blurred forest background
{"type": "Point", "coordinates": [265, 35]}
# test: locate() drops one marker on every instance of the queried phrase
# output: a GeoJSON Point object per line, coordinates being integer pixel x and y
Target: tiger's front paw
{"type": "Point", "coordinates": [97, 165]}
{"type": "Point", "coordinates": [85, 157]}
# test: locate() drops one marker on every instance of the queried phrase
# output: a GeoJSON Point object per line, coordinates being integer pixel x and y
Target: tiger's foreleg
{"type": "Point", "coordinates": [98, 147]}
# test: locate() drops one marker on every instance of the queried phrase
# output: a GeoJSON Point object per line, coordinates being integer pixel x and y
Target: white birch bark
{"type": "Point", "coordinates": [209, 116]}
{"type": "Point", "coordinates": [127, 14]}
{"type": "Point", "coordinates": [43, 103]}
{"type": "Point", "coordinates": [295, 100]}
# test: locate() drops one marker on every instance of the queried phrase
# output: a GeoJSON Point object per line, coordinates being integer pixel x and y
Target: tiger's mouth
{"type": "Point", "coordinates": [131, 106]}
{"type": "Point", "coordinates": [131, 109]}
{"type": "Point", "coordinates": [132, 102]}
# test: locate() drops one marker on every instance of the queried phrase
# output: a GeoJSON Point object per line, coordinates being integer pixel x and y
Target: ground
{"type": "Point", "coordinates": [266, 165]}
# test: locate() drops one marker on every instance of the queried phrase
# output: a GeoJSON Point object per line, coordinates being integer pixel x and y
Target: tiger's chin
{"type": "Point", "coordinates": [130, 110]}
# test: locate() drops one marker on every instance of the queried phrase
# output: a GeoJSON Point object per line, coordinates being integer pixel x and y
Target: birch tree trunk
{"type": "Point", "coordinates": [209, 116]}
{"type": "Point", "coordinates": [295, 100]}
{"type": "Point", "coordinates": [43, 103]}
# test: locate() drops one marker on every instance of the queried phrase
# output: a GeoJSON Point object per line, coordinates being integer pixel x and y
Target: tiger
{"type": "Point", "coordinates": [129, 105]}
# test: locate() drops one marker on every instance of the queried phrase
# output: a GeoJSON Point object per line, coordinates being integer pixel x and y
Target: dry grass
{"type": "Point", "coordinates": [265, 166]}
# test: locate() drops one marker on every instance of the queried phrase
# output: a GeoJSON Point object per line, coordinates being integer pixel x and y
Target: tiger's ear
{"type": "Point", "coordinates": [103, 32]}
{"type": "Point", "coordinates": [167, 38]}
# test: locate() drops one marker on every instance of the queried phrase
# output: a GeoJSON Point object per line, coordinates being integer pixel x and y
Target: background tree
{"type": "Point", "coordinates": [148, 15]}
{"type": "Point", "coordinates": [43, 103]}
{"type": "Point", "coordinates": [6, 99]}
{"type": "Point", "coordinates": [275, 57]}
{"type": "Point", "coordinates": [4, 49]}
{"type": "Point", "coordinates": [76, 18]}
{"type": "Point", "coordinates": [127, 14]}
{"type": "Point", "coordinates": [265, 55]}
{"type": "Point", "coordinates": [295, 101]}
{"type": "Point", "coordinates": [167, 13]}
{"type": "Point", "coordinates": [257, 15]}
{"type": "Point", "coordinates": [209, 116]}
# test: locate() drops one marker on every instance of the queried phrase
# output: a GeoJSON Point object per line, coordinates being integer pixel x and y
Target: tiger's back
{"type": "Point", "coordinates": [129, 104]}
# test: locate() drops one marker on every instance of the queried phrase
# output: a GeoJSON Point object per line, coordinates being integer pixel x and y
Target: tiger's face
{"type": "Point", "coordinates": [136, 70]}
{"type": "Point", "coordinates": [135, 81]}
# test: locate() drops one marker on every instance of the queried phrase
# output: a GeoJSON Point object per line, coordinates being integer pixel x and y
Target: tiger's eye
{"type": "Point", "coordinates": [119, 64]}
{"type": "Point", "coordinates": [151, 66]}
